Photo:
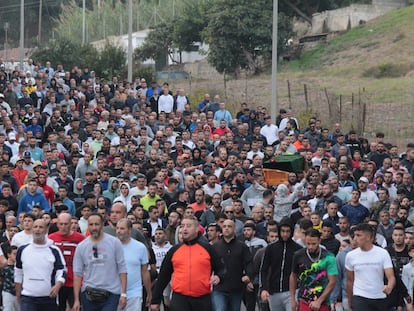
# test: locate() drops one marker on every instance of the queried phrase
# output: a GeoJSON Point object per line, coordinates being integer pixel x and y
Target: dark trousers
{"type": "Point", "coordinates": [38, 304]}
{"type": "Point", "coordinates": [186, 303]}
{"type": "Point", "coordinates": [365, 304]}
{"type": "Point", "coordinates": [250, 298]}
{"type": "Point", "coordinates": [65, 296]}
{"type": "Point", "coordinates": [111, 304]}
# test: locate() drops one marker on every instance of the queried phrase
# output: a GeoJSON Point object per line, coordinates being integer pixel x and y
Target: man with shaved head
{"type": "Point", "coordinates": [38, 281]}
{"type": "Point", "coordinates": [67, 241]}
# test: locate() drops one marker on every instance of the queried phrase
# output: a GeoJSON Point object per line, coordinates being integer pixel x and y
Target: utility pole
{"type": "Point", "coordinates": [21, 34]}
{"type": "Point", "coordinates": [83, 22]}
{"type": "Point", "coordinates": [6, 44]}
{"type": "Point", "coordinates": [121, 30]}
{"type": "Point", "coordinates": [39, 32]}
{"type": "Point", "coordinates": [130, 40]}
{"type": "Point", "coordinates": [273, 105]}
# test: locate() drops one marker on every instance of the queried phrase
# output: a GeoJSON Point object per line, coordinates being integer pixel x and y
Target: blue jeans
{"type": "Point", "coordinates": [38, 304]}
{"type": "Point", "coordinates": [111, 304]}
{"type": "Point", "coordinates": [226, 301]}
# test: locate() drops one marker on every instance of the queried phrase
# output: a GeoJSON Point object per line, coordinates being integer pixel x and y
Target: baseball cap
{"type": "Point", "coordinates": [12, 136]}
{"type": "Point", "coordinates": [36, 164]}
{"type": "Point", "coordinates": [364, 180]}
{"type": "Point", "coordinates": [27, 154]}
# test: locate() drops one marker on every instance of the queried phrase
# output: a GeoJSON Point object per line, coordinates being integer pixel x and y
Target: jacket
{"type": "Point", "coordinates": [189, 266]}
{"type": "Point", "coordinates": [237, 261]}
{"type": "Point", "coordinates": [277, 262]}
{"type": "Point", "coordinates": [110, 193]}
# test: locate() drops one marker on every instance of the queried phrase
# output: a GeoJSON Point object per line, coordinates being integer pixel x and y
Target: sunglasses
{"type": "Point", "coordinates": [229, 212]}
{"type": "Point", "coordinates": [95, 251]}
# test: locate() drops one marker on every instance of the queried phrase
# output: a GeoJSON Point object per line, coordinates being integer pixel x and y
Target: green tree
{"type": "Point", "coordinates": [239, 34]}
{"type": "Point", "coordinates": [189, 26]}
{"type": "Point", "coordinates": [159, 43]}
{"type": "Point", "coordinates": [67, 53]}
{"type": "Point", "coordinates": [111, 61]}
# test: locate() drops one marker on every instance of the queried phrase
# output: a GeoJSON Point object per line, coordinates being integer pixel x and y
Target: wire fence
{"type": "Point", "coordinates": [356, 110]}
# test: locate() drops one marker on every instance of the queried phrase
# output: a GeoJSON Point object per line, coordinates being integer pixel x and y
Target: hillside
{"type": "Point", "coordinates": [363, 78]}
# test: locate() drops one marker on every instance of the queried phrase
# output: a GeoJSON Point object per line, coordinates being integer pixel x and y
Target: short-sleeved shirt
{"type": "Point", "coordinates": [368, 268]}
{"type": "Point", "coordinates": [313, 276]}
{"type": "Point", "coordinates": [100, 268]}
{"type": "Point", "coordinates": [136, 255]}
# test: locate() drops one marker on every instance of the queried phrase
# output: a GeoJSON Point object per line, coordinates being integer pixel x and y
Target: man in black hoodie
{"type": "Point", "coordinates": [276, 268]}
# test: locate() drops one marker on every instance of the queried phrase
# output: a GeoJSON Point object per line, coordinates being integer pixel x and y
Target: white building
{"type": "Point", "coordinates": [138, 39]}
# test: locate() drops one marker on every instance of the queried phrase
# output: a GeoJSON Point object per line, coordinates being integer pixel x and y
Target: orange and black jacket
{"type": "Point", "coordinates": [189, 266]}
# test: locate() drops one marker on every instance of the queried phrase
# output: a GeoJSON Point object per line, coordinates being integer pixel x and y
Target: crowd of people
{"type": "Point", "coordinates": [118, 194]}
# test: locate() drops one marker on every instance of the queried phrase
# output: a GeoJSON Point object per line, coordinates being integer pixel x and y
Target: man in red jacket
{"type": "Point", "coordinates": [196, 266]}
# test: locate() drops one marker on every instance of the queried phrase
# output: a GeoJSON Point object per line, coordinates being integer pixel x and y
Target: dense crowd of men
{"type": "Point", "coordinates": [124, 195]}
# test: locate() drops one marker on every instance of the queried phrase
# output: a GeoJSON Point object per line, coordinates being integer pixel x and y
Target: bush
{"type": "Point", "coordinates": [387, 70]}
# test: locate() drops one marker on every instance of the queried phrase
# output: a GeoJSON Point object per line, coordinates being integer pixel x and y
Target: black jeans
{"type": "Point", "coordinates": [65, 296]}
{"type": "Point", "coordinates": [186, 303]}
{"type": "Point", "coordinates": [366, 304]}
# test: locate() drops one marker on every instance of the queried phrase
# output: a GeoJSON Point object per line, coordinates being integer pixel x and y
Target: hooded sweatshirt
{"type": "Point", "coordinates": [111, 194]}
{"type": "Point", "coordinates": [277, 261]}
{"type": "Point", "coordinates": [284, 200]}
{"type": "Point", "coordinates": [124, 199]}
{"type": "Point", "coordinates": [78, 195]}
{"type": "Point", "coordinates": [29, 200]}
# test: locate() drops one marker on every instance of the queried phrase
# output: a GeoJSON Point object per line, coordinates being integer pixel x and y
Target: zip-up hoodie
{"type": "Point", "coordinates": [277, 262]}
{"type": "Point", "coordinates": [110, 193]}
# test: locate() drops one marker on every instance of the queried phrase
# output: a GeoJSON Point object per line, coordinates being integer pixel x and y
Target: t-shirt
{"type": "Point", "coordinates": [160, 252]}
{"type": "Point", "coordinates": [368, 268]}
{"type": "Point", "coordinates": [101, 267]}
{"type": "Point", "coordinates": [136, 255]}
{"type": "Point", "coordinates": [368, 198]}
{"type": "Point", "coordinates": [8, 280]}
{"type": "Point", "coordinates": [313, 276]}
{"type": "Point", "coordinates": [67, 245]}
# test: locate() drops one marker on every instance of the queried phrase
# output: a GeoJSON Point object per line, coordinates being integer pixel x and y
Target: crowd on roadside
{"type": "Point", "coordinates": [73, 143]}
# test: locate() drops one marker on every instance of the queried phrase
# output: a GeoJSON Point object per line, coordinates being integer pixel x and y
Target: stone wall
{"type": "Point", "coordinates": [345, 18]}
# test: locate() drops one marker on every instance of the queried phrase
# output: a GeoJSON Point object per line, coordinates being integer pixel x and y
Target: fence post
{"type": "Point", "coordinates": [352, 118]}
{"type": "Point", "coordinates": [329, 105]}
{"type": "Point", "coordinates": [305, 88]}
{"type": "Point", "coordinates": [289, 94]}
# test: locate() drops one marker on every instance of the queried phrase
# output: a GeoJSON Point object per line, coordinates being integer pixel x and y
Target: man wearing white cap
{"type": "Point", "coordinates": [368, 197]}
{"type": "Point", "coordinates": [12, 144]}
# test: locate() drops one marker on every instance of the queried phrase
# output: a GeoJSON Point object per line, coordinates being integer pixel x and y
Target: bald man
{"type": "Point", "coordinates": [38, 281]}
{"type": "Point", "coordinates": [66, 240]}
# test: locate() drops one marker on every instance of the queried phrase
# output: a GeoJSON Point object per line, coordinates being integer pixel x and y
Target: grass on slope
{"type": "Point", "coordinates": [376, 43]}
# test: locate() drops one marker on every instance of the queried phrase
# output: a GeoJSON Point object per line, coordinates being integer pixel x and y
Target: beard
{"type": "Point", "coordinates": [38, 238]}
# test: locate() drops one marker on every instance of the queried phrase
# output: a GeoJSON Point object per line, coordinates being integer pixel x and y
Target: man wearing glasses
{"type": "Point", "coordinates": [99, 261]}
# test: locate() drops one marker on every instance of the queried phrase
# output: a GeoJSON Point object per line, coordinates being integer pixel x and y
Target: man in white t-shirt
{"type": "Point", "coordinates": [368, 197]}
{"type": "Point", "coordinates": [365, 269]}
{"type": "Point", "coordinates": [212, 187]}
{"type": "Point", "coordinates": [25, 236]}
{"type": "Point", "coordinates": [161, 248]}
{"type": "Point", "coordinates": [270, 131]}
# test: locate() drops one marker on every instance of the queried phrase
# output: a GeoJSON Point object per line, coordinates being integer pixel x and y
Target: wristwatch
{"type": "Point", "coordinates": [123, 295]}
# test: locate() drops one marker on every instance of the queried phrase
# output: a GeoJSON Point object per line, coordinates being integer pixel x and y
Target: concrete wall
{"type": "Point", "coordinates": [345, 18]}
